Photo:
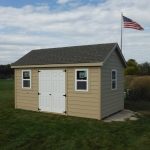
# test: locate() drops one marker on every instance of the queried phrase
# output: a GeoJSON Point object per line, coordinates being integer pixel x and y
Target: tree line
{"type": "Point", "coordinates": [137, 69]}
{"type": "Point", "coordinates": [6, 72]}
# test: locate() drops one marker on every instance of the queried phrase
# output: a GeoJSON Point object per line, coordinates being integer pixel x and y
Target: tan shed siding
{"type": "Point", "coordinates": [83, 104]}
{"type": "Point", "coordinates": [112, 100]}
{"type": "Point", "coordinates": [26, 98]}
{"type": "Point", "coordinates": [80, 104]}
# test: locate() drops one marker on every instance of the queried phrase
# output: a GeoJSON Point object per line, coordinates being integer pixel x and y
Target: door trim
{"type": "Point", "coordinates": [65, 89]}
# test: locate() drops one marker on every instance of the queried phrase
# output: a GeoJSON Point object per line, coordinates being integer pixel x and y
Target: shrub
{"type": "Point", "coordinates": [139, 88]}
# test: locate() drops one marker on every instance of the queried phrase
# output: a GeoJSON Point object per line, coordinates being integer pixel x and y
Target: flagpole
{"type": "Point", "coordinates": [121, 29]}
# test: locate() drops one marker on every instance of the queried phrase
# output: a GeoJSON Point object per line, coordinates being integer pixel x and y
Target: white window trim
{"type": "Point", "coordinates": [26, 79]}
{"type": "Point", "coordinates": [113, 79]}
{"type": "Point", "coordinates": [80, 80]}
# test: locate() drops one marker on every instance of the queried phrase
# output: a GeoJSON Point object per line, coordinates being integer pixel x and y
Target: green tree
{"type": "Point", "coordinates": [133, 67]}
{"type": "Point", "coordinates": [144, 68]}
{"type": "Point", "coordinates": [6, 71]}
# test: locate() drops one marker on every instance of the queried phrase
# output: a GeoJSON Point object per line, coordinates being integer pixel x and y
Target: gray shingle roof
{"type": "Point", "coordinates": [67, 55]}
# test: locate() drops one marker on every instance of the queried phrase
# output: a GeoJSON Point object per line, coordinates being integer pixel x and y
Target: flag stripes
{"type": "Point", "coordinates": [129, 23]}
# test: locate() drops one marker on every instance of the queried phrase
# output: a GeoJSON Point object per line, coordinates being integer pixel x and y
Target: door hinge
{"type": "Point", "coordinates": [39, 93]}
{"type": "Point", "coordinates": [39, 71]}
{"type": "Point", "coordinates": [65, 95]}
{"type": "Point", "coordinates": [39, 109]}
{"type": "Point", "coordinates": [64, 112]}
{"type": "Point", "coordinates": [64, 70]}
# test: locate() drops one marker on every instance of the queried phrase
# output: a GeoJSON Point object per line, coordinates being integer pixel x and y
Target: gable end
{"type": "Point", "coordinates": [120, 55]}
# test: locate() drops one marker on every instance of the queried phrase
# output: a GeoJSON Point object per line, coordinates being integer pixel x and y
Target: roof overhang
{"type": "Point", "coordinates": [61, 65]}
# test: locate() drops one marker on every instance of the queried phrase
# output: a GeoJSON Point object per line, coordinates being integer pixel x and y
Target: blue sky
{"type": "Point", "coordinates": [52, 3]}
{"type": "Point", "coordinates": [21, 3]}
{"type": "Point", "coordinates": [34, 24]}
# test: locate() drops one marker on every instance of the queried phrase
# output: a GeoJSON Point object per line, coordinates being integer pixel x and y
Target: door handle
{"type": "Point", "coordinates": [64, 95]}
{"type": "Point", "coordinates": [49, 94]}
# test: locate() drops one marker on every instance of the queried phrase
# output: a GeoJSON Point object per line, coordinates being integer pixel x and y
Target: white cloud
{"type": "Point", "coordinates": [62, 1]}
{"type": "Point", "coordinates": [29, 27]}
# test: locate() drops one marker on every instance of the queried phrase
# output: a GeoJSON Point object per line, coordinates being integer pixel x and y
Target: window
{"type": "Point", "coordinates": [26, 79]}
{"type": "Point", "coordinates": [81, 79]}
{"type": "Point", "coordinates": [114, 79]}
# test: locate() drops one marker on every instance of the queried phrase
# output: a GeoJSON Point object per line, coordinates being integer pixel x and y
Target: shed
{"type": "Point", "coordinates": [83, 81]}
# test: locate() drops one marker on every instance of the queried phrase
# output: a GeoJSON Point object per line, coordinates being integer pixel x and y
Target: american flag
{"type": "Point", "coordinates": [129, 23]}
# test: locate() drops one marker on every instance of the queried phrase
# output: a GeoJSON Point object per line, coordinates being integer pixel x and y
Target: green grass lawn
{"type": "Point", "coordinates": [27, 130]}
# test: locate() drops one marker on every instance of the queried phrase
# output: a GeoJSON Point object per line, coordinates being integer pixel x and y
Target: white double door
{"type": "Point", "coordinates": [52, 90]}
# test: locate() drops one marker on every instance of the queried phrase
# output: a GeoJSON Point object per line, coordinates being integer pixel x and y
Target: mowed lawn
{"type": "Point", "coordinates": [27, 130]}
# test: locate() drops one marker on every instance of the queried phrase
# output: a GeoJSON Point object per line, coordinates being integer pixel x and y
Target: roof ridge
{"type": "Point", "coordinates": [72, 46]}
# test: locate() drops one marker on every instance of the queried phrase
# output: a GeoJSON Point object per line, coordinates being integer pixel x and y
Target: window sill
{"type": "Point", "coordinates": [83, 92]}
{"type": "Point", "coordinates": [26, 89]}
{"type": "Point", "coordinates": [113, 89]}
